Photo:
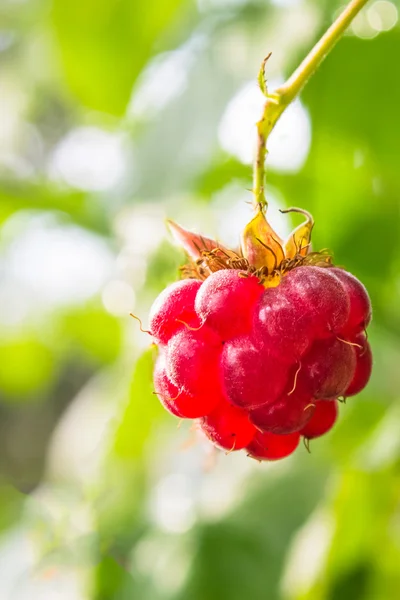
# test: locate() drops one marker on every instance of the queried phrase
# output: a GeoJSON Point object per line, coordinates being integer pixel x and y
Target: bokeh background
{"type": "Point", "coordinates": [115, 114]}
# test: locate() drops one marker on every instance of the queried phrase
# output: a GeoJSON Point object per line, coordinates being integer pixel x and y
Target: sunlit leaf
{"type": "Point", "coordinates": [222, 171]}
{"type": "Point", "coordinates": [76, 205]}
{"type": "Point", "coordinates": [11, 504]}
{"type": "Point", "coordinates": [112, 581]}
{"type": "Point", "coordinates": [105, 44]}
{"type": "Point", "coordinates": [243, 553]}
{"type": "Point", "coordinates": [123, 485]}
{"type": "Point", "coordinates": [26, 366]}
{"type": "Point", "coordinates": [95, 333]}
{"type": "Point", "coordinates": [142, 411]}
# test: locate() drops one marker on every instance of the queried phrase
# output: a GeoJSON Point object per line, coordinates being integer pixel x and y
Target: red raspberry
{"type": "Point", "coordinates": [252, 376]}
{"type": "Point", "coordinates": [193, 360]}
{"type": "Point", "coordinates": [363, 366]}
{"type": "Point", "coordinates": [360, 305]}
{"type": "Point", "coordinates": [268, 446]}
{"type": "Point", "coordinates": [328, 368]}
{"type": "Point", "coordinates": [323, 419]}
{"type": "Point", "coordinates": [261, 366]}
{"type": "Point", "coordinates": [173, 305]}
{"type": "Point", "coordinates": [225, 302]}
{"type": "Point", "coordinates": [288, 414]}
{"type": "Point", "coordinates": [228, 427]}
{"type": "Point", "coordinates": [178, 402]}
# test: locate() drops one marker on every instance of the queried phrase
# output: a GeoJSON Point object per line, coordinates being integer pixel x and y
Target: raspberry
{"type": "Point", "coordinates": [328, 368]}
{"type": "Point", "coordinates": [225, 302]}
{"type": "Point", "coordinates": [228, 427]}
{"type": "Point", "coordinates": [288, 414]}
{"type": "Point", "coordinates": [360, 305]}
{"type": "Point", "coordinates": [269, 446]}
{"type": "Point", "coordinates": [252, 376]}
{"type": "Point", "coordinates": [176, 401]}
{"type": "Point", "coordinates": [363, 366]}
{"type": "Point", "coordinates": [260, 352]}
{"type": "Point", "coordinates": [173, 305]}
{"type": "Point", "coordinates": [193, 360]}
{"type": "Point", "coordinates": [323, 419]}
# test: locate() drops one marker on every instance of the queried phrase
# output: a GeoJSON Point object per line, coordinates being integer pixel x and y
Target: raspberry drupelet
{"type": "Point", "coordinates": [259, 343]}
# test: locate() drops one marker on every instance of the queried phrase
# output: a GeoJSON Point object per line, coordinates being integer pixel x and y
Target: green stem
{"type": "Point", "coordinates": [278, 101]}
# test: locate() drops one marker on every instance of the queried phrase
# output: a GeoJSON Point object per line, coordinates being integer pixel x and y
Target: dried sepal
{"type": "Point", "coordinates": [263, 253]}
{"type": "Point", "coordinates": [299, 241]}
{"type": "Point", "coordinates": [194, 244]}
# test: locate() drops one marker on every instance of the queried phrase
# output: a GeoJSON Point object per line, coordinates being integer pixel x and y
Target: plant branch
{"type": "Point", "coordinates": [277, 102]}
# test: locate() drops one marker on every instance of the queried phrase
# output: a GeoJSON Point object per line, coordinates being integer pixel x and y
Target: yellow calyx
{"type": "Point", "coordinates": [260, 245]}
{"type": "Point", "coordinates": [267, 252]}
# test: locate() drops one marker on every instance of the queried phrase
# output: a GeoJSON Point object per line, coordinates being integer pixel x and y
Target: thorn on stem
{"type": "Point", "coordinates": [262, 80]}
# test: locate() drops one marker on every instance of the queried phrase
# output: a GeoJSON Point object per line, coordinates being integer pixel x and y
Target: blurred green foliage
{"type": "Point", "coordinates": [112, 118]}
{"type": "Point", "coordinates": [104, 45]}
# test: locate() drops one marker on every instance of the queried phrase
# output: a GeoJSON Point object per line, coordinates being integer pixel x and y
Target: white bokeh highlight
{"type": "Point", "coordinates": [118, 298]}
{"type": "Point", "coordinates": [90, 159]}
{"type": "Point", "coordinates": [382, 15]}
{"type": "Point", "coordinates": [210, 5]}
{"type": "Point", "coordinates": [164, 79]}
{"type": "Point", "coordinates": [140, 228]}
{"type": "Point", "coordinates": [308, 555]}
{"type": "Point", "coordinates": [58, 264]}
{"type": "Point", "coordinates": [286, 3]}
{"type": "Point", "coordinates": [288, 144]}
{"type": "Point", "coordinates": [21, 577]}
{"type": "Point", "coordinates": [233, 210]}
{"type": "Point", "coordinates": [172, 504]}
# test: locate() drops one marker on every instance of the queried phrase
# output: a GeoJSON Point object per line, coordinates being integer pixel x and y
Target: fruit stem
{"type": "Point", "coordinates": [278, 101]}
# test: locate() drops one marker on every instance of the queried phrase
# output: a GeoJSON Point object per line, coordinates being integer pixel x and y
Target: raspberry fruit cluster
{"type": "Point", "coordinates": [261, 364]}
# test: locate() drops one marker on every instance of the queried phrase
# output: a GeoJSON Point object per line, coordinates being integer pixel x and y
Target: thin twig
{"type": "Point", "coordinates": [278, 101]}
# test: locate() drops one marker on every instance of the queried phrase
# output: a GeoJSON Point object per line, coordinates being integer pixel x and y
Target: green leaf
{"type": "Point", "coordinates": [344, 103]}
{"type": "Point", "coordinates": [104, 44]}
{"type": "Point", "coordinates": [113, 581]}
{"type": "Point", "coordinates": [124, 482]}
{"type": "Point", "coordinates": [142, 411]}
{"type": "Point", "coordinates": [363, 509]}
{"type": "Point", "coordinates": [163, 268]}
{"type": "Point", "coordinates": [222, 171]}
{"type": "Point", "coordinates": [27, 367]}
{"type": "Point", "coordinates": [11, 504]}
{"type": "Point", "coordinates": [82, 210]}
{"type": "Point", "coordinates": [243, 554]}
{"type": "Point", "coordinates": [94, 332]}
